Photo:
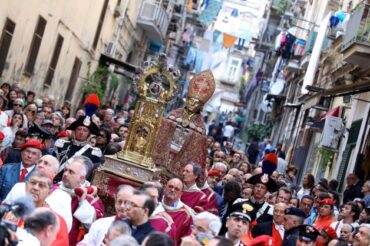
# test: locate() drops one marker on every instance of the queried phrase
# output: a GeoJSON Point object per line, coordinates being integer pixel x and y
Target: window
{"type": "Point", "coordinates": [73, 79]}
{"type": "Point", "coordinates": [100, 24]}
{"type": "Point", "coordinates": [35, 46]}
{"type": "Point", "coordinates": [54, 61]}
{"type": "Point", "coordinates": [6, 39]}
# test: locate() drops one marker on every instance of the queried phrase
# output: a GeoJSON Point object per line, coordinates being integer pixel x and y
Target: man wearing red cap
{"type": "Point", "coordinates": [12, 173]}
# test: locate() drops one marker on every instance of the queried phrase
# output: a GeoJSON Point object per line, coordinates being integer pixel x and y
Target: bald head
{"type": "Point", "coordinates": [48, 164]}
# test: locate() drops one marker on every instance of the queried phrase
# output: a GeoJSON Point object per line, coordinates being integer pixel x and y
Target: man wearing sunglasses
{"type": "Point", "coordinates": [18, 107]}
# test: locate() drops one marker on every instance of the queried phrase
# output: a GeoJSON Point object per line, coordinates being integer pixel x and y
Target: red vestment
{"type": "Point", "coordinates": [77, 227]}
{"type": "Point", "coordinates": [62, 235]}
{"type": "Point", "coordinates": [276, 236]}
{"type": "Point", "coordinates": [195, 199]}
{"type": "Point", "coordinates": [192, 144]}
{"type": "Point", "coordinates": [163, 222]}
{"type": "Point", "coordinates": [211, 205]}
{"type": "Point", "coordinates": [182, 218]}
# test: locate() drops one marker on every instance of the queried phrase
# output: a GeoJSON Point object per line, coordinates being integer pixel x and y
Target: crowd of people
{"type": "Point", "coordinates": [246, 197]}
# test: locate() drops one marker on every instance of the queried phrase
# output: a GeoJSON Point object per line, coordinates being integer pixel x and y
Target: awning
{"type": "Point", "coordinates": [128, 69]}
{"type": "Point", "coordinates": [333, 112]}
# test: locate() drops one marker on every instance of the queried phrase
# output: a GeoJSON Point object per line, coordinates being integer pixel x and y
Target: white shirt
{"type": "Point", "coordinates": [337, 226]}
{"type": "Point", "coordinates": [57, 201]}
{"type": "Point", "coordinates": [228, 131]}
{"type": "Point", "coordinates": [3, 120]}
{"type": "Point", "coordinates": [97, 232]}
{"type": "Point", "coordinates": [26, 239]}
{"type": "Point", "coordinates": [280, 229]}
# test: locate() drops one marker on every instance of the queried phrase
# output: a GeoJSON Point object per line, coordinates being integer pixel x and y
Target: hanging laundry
{"type": "Point", "coordinates": [299, 47]}
{"type": "Point", "coordinates": [288, 48]}
{"type": "Point", "coordinates": [210, 13]}
{"type": "Point", "coordinates": [198, 60]}
{"type": "Point", "coordinates": [333, 21]}
{"type": "Point", "coordinates": [229, 40]}
{"type": "Point", "coordinates": [190, 58]}
{"type": "Point", "coordinates": [234, 13]}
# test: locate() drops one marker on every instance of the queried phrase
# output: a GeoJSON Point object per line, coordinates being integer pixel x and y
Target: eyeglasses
{"type": "Point", "coordinates": [32, 111]}
{"type": "Point", "coordinates": [129, 205]}
{"type": "Point", "coordinates": [19, 105]}
{"type": "Point", "coordinates": [42, 185]}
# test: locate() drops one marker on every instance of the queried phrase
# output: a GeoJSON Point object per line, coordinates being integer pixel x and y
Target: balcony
{"type": "Point", "coordinates": [356, 40]}
{"type": "Point", "coordinates": [293, 65]}
{"type": "Point", "coordinates": [153, 19]}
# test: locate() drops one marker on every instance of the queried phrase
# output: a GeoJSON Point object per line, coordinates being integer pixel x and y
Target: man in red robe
{"type": "Point", "coordinates": [181, 137]}
{"type": "Point", "coordinates": [191, 194]}
{"type": "Point", "coordinates": [85, 208]}
{"type": "Point", "coordinates": [160, 219]}
{"type": "Point", "coordinates": [179, 212]}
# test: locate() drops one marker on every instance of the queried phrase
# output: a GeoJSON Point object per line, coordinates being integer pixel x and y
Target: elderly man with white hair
{"type": "Point", "coordinates": [205, 226]}
{"type": "Point", "coordinates": [49, 165]}
{"type": "Point", "coordinates": [362, 237]}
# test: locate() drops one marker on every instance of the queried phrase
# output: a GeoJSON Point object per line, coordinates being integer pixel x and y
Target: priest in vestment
{"type": "Point", "coordinates": [85, 208]}
{"type": "Point", "coordinates": [191, 194]}
{"type": "Point", "coordinates": [160, 219]}
{"type": "Point", "coordinates": [181, 138]}
{"type": "Point", "coordinates": [179, 212]}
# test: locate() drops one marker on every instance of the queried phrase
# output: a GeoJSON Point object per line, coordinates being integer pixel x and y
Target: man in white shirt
{"type": "Point", "coordinates": [349, 214]}
{"type": "Point", "coordinates": [99, 228]}
{"type": "Point", "coordinates": [49, 165]}
{"type": "Point", "coordinates": [228, 132]}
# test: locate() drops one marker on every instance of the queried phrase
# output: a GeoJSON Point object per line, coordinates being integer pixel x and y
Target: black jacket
{"type": "Point", "coordinates": [264, 228]}
{"type": "Point", "coordinates": [290, 237]}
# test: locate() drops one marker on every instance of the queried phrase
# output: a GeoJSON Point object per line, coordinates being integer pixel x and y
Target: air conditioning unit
{"type": "Point", "coordinates": [333, 130]}
{"type": "Point", "coordinates": [110, 48]}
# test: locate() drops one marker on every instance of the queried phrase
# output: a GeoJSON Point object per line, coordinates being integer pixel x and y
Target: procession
{"type": "Point", "coordinates": [185, 123]}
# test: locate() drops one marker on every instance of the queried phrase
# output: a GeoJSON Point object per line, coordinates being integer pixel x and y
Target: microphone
{"type": "Point", "coordinates": [80, 191]}
{"type": "Point", "coordinates": [21, 207]}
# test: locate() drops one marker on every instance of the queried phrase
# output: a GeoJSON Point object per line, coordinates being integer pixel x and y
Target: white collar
{"type": "Point", "coordinates": [29, 169]}
{"type": "Point", "coordinates": [193, 187]}
{"type": "Point", "coordinates": [158, 209]}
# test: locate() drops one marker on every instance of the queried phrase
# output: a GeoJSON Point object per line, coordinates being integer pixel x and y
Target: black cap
{"type": "Point", "coordinates": [85, 121]}
{"type": "Point", "coordinates": [263, 178]}
{"type": "Point", "coordinates": [295, 211]}
{"type": "Point", "coordinates": [307, 233]}
{"type": "Point", "coordinates": [40, 132]}
{"type": "Point", "coordinates": [242, 210]}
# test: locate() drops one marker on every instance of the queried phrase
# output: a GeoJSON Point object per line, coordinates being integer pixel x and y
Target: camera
{"type": "Point", "coordinates": [20, 208]}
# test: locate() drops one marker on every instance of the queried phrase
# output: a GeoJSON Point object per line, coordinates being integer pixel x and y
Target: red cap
{"type": "Point", "coordinates": [329, 231]}
{"type": "Point", "coordinates": [214, 172]}
{"type": "Point", "coordinates": [65, 133]}
{"type": "Point", "coordinates": [2, 136]}
{"type": "Point", "coordinates": [327, 201]}
{"type": "Point", "coordinates": [32, 144]}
